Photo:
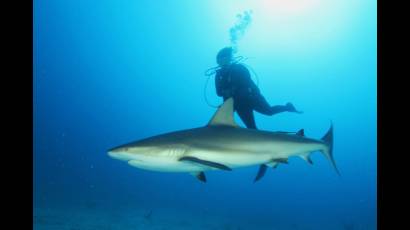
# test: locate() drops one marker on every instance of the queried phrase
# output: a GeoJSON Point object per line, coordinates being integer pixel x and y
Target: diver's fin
{"type": "Point", "coordinates": [224, 115]}
{"type": "Point", "coordinates": [281, 160]}
{"type": "Point", "coordinates": [261, 172]}
{"type": "Point", "coordinates": [207, 163]}
{"type": "Point", "coordinates": [301, 133]}
{"type": "Point", "coordinates": [199, 175]}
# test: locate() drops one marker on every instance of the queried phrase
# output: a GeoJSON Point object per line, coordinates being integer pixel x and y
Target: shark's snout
{"type": "Point", "coordinates": [119, 154]}
{"type": "Point", "coordinates": [117, 149]}
{"type": "Point", "coordinates": [112, 153]}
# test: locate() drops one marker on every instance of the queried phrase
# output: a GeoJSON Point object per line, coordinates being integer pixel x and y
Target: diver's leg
{"type": "Point", "coordinates": [291, 108]}
{"type": "Point", "coordinates": [262, 106]}
{"type": "Point", "coordinates": [246, 115]}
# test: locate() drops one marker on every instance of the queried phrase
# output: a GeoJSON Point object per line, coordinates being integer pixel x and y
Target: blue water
{"type": "Point", "coordinates": [110, 72]}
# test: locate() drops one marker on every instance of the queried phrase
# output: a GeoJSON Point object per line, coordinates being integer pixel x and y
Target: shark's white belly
{"type": "Point", "coordinates": [243, 156]}
{"type": "Point", "coordinates": [168, 164]}
{"type": "Point", "coordinates": [233, 160]}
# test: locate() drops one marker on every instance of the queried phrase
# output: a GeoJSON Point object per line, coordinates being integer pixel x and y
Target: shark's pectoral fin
{"type": "Point", "coordinates": [199, 175]}
{"type": "Point", "coordinates": [206, 163]}
{"type": "Point", "coordinates": [261, 172]}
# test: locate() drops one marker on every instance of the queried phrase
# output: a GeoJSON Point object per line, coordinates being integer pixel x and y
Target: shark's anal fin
{"type": "Point", "coordinates": [204, 162]}
{"type": "Point", "coordinates": [306, 157]}
{"type": "Point", "coordinates": [224, 115]}
{"type": "Point", "coordinates": [261, 172]}
{"type": "Point", "coordinates": [200, 176]}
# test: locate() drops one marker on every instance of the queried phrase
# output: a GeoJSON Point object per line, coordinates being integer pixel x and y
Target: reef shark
{"type": "Point", "coordinates": [221, 145]}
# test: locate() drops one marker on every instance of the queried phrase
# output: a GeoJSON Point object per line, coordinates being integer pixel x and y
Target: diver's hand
{"type": "Point", "coordinates": [291, 108]}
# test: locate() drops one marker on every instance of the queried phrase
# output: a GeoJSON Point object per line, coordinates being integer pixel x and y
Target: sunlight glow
{"type": "Point", "coordinates": [293, 26]}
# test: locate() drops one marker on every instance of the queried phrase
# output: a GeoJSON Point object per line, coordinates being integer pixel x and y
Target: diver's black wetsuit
{"type": "Point", "coordinates": [235, 81]}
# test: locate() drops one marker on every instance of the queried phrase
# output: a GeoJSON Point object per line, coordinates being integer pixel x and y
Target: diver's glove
{"type": "Point", "coordinates": [291, 108]}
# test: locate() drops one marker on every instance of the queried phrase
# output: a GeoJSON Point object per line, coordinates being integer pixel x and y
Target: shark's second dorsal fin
{"type": "Point", "coordinates": [224, 115]}
{"type": "Point", "coordinates": [301, 133]}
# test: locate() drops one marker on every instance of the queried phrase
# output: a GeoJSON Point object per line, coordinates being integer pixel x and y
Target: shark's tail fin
{"type": "Point", "coordinates": [328, 152]}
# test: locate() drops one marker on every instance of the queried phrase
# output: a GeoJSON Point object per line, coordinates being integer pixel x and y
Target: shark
{"type": "Point", "coordinates": [223, 145]}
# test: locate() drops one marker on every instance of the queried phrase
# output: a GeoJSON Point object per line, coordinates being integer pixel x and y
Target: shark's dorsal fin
{"type": "Point", "coordinates": [224, 115]}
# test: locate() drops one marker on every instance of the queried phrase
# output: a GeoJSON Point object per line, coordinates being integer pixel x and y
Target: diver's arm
{"type": "Point", "coordinates": [218, 85]}
{"type": "Point", "coordinates": [221, 89]}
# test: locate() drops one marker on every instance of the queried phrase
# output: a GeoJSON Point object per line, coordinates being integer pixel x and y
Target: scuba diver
{"type": "Point", "coordinates": [234, 80]}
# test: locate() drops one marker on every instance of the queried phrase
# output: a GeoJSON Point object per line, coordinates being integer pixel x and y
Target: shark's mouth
{"type": "Point", "coordinates": [119, 156]}
{"type": "Point", "coordinates": [135, 161]}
